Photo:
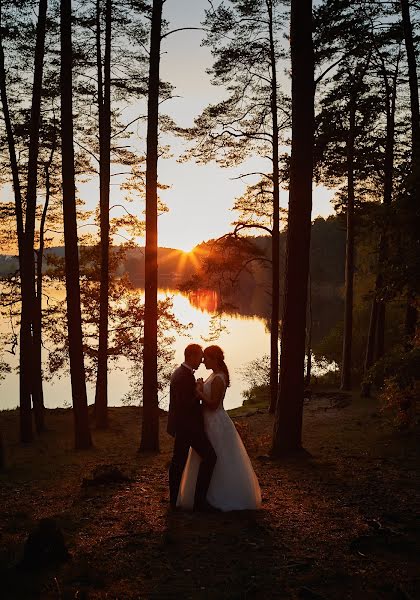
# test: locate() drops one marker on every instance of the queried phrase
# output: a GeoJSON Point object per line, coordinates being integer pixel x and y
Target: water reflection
{"type": "Point", "coordinates": [242, 338]}
{"type": "Point", "coordinates": [204, 300]}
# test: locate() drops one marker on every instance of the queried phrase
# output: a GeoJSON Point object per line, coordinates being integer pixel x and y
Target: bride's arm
{"type": "Point", "coordinates": [217, 392]}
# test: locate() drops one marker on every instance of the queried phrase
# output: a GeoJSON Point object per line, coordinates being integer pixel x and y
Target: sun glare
{"type": "Point", "coordinates": [187, 250]}
{"type": "Point", "coordinates": [184, 258]}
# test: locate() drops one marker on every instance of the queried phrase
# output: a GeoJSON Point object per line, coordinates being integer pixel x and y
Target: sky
{"type": "Point", "coordinates": [201, 196]}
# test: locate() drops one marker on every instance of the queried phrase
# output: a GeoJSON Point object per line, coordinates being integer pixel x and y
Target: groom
{"type": "Point", "coordinates": [185, 423]}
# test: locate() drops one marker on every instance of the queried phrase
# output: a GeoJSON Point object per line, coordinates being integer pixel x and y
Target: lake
{"type": "Point", "coordinates": [242, 338]}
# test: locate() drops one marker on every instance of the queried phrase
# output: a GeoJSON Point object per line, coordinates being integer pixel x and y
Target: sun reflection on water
{"type": "Point", "coordinates": [204, 300]}
{"type": "Point", "coordinates": [242, 339]}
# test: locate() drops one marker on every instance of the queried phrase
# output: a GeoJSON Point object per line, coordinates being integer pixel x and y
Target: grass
{"type": "Point", "coordinates": [340, 523]}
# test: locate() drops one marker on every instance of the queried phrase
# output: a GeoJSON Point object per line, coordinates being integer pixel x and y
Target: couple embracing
{"type": "Point", "coordinates": [210, 469]}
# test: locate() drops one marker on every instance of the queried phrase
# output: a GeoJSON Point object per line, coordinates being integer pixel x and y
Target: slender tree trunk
{"type": "Point", "coordinates": [275, 240]}
{"type": "Point", "coordinates": [104, 101]}
{"type": "Point", "coordinates": [29, 299]}
{"type": "Point", "coordinates": [74, 318]}
{"type": "Point", "coordinates": [346, 362]}
{"type": "Point", "coordinates": [38, 397]}
{"type": "Point", "coordinates": [379, 346]}
{"type": "Point", "coordinates": [2, 457]}
{"type": "Point", "coordinates": [375, 346]}
{"type": "Point", "coordinates": [370, 345]}
{"type": "Point", "coordinates": [39, 419]}
{"type": "Point", "coordinates": [309, 334]}
{"type": "Point", "coordinates": [150, 423]}
{"type": "Point", "coordinates": [391, 99]}
{"type": "Point", "coordinates": [411, 312]}
{"type": "Point", "coordinates": [287, 434]}
{"type": "Point", "coordinates": [25, 413]}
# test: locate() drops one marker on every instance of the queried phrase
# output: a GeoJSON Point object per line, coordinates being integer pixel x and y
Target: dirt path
{"type": "Point", "coordinates": [338, 524]}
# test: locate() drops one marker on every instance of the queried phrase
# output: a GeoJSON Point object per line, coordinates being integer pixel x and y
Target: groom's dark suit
{"type": "Point", "coordinates": [185, 423]}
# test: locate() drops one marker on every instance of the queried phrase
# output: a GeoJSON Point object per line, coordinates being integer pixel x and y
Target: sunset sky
{"type": "Point", "coordinates": [200, 197]}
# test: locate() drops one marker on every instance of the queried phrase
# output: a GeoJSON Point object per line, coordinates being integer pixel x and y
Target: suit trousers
{"type": "Point", "coordinates": [199, 441]}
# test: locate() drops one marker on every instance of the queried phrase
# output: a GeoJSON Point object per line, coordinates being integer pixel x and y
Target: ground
{"type": "Point", "coordinates": [337, 523]}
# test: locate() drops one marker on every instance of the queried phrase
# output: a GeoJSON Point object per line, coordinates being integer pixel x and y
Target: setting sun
{"type": "Point", "coordinates": [188, 251]}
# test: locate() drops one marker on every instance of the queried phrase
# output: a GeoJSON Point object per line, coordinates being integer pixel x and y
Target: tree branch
{"type": "Point", "coordinates": [181, 29]}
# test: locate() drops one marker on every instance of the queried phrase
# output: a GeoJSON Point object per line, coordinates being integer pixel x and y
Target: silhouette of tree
{"type": "Point", "coordinates": [287, 433]}
{"type": "Point", "coordinates": [244, 40]}
{"type": "Point", "coordinates": [150, 422]}
{"type": "Point", "coordinates": [411, 314]}
{"type": "Point", "coordinates": [74, 319]}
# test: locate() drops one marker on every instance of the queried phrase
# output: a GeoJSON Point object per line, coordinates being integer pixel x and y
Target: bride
{"type": "Point", "coordinates": [234, 485]}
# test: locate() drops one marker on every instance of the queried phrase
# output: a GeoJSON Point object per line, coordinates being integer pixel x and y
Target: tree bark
{"type": "Point", "coordinates": [287, 434]}
{"type": "Point", "coordinates": [29, 299]}
{"type": "Point", "coordinates": [411, 312]}
{"type": "Point", "coordinates": [275, 240]}
{"type": "Point", "coordinates": [2, 457]}
{"type": "Point", "coordinates": [391, 100]}
{"type": "Point", "coordinates": [346, 362]}
{"type": "Point", "coordinates": [25, 341]}
{"type": "Point", "coordinates": [375, 347]}
{"type": "Point", "coordinates": [74, 318]}
{"type": "Point", "coordinates": [309, 334]}
{"type": "Point", "coordinates": [104, 106]}
{"type": "Point", "coordinates": [370, 345]}
{"type": "Point", "coordinates": [39, 264]}
{"type": "Point", "coordinates": [150, 422]}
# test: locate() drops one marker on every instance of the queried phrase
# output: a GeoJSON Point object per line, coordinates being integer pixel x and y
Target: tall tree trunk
{"type": "Point", "coordinates": [370, 346]}
{"type": "Point", "coordinates": [29, 299]}
{"type": "Point", "coordinates": [74, 318]}
{"type": "Point", "coordinates": [379, 346]}
{"type": "Point", "coordinates": [287, 434]}
{"type": "Point", "coordinates": [2, 457]}
{"type": "Point", "coordinates": [391, 100]}
{"type": "Point", "coordinates": [25, 341]}
{"type": "Point", "coordinates": [38, 396]}
{"type": "Point", "coordinates": [375, 346]}
{"type": "Point", "coordinates": [39, 275]}
{"type": "Point", "coordinates": [346, 362]}
{"type": "Point", "coordinates": [104, 102]}
{"type": "Point", "coordinates": [150, 423]}
{"type": "Point", "coordinates": [411, 312]}
{"type": "Point", "coordinates": [309, 334]}
{"type": "Point", "coordinates": [275, 240]}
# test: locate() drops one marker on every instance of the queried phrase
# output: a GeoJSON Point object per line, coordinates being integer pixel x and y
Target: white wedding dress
{"type": "Point", "coordinates": [234, 485]}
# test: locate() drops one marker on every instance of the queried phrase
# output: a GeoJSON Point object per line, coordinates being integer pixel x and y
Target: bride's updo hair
{"type": "Point", "coordinates": [216, 353]}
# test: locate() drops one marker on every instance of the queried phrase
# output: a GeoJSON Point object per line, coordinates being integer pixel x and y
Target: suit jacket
{"type": "Point", "coordinates": [184, 405]}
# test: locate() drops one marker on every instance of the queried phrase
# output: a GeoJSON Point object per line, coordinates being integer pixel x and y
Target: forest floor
{"type": "Point", "coordinates": [341, 522]}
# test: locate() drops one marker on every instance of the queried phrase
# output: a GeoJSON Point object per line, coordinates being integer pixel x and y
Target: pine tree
{"type": "Point", "coordinates": [411, 313]}
{"type": "Point", "coordinates": [287, 434]}
{"type": "Point", "coordinates": [244, 38]}
{"type": "Point", "coordinates": [150, 422]}
{"type": "Point", "coordinates": [77, 369]}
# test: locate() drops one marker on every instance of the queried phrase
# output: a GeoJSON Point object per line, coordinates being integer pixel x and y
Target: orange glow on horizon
{"type": "Point", "coordinates": [184, 257]}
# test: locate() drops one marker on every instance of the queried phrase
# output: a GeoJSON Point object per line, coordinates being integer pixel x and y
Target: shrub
{"type": "Point", "coordinates": [398, 378]}
{"type": "Point", "coordinates": [258, 395]}
{"type": "Point", "coordinates": [399, 402]}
